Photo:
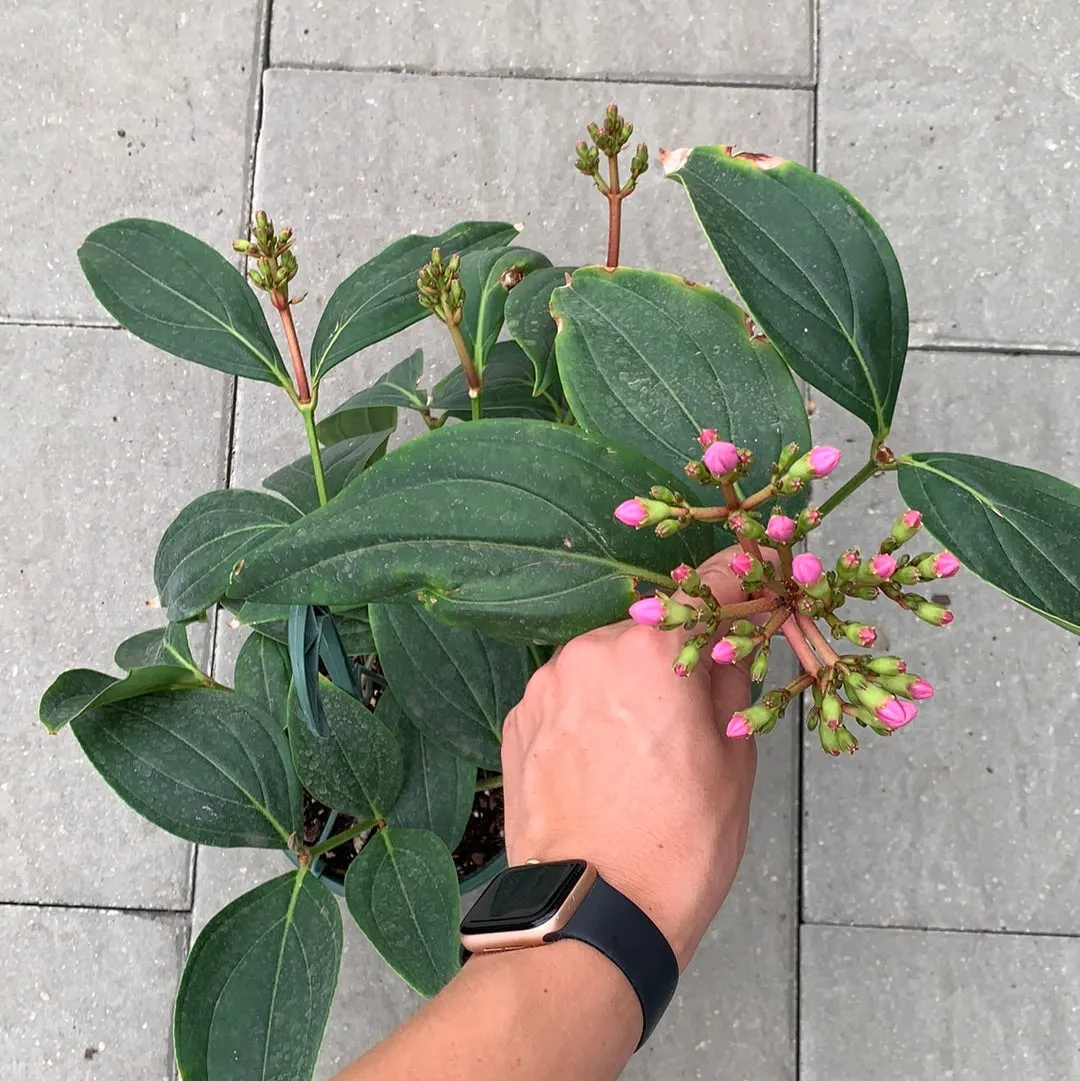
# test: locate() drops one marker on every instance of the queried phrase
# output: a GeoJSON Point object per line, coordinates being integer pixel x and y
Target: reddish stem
{"type": "Point", "coordinates": [801, 648]}
{"type": "Point", "coordinates": [614, 196]}
{"type": "Point", "coordinates": [281, 302]}
{"type": "Point", "coordinates": [817, 639]}
{"type": "Point", "coordinates": [741, 609]}
{"type": "Point", "coordinates": [762, 495]}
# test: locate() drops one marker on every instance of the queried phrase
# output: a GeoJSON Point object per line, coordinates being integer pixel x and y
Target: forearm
{"type": "Point", "coordinates": [561, 1012]}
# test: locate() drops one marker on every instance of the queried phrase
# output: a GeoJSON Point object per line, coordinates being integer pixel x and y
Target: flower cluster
{"type": "Point", "coordinates": [793, 594]}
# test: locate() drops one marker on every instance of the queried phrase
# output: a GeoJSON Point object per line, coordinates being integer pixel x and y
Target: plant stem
{"type": "Point", "coordinates": [475, 405]}
{"type": "Point", "coordinates": [308, 413]}
{"type": "Point", "coordinates": [785, 561]}
{"type": "Point", "coordinates": [762, 495]}
{"type": "Point", "coordinates": [303, 390]}
{"type": "Point", "coordinates": [482, 785]}
{"type": "Point", "coordinates": [614, 196]}
{"type": "Point", "coordinates": [472, 376]}
{"type": "Point", "coordinates": [817, 639]}
{"type": "Point", "coordinates": [704, 514]}
{"type": "Point", "coordinates": [741, 609]}
{"type": "Point", "coordinates": [340, 838]}
{"type": "Point", "coordinates": [855, 482]}
{"type": "Point", "coordinates": [801, 648]}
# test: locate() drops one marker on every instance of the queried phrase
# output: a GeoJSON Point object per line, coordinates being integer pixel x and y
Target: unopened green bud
{"type": "Point", "coordinates": [686, 659]}
{"type": "Point", "coordinates": [664, 495]}
{"type": "Point", "coordinates": [640, 162]}
{"type": "Point", "coordinates": [809, 518]}
{"type": "Point", "coordinates": [832, 710]}
{"type": "Point", "coordinates": [667, 528]}
{"type": "Point", "coordinates": [937, 615]}
{"type": "Point", "coordinates": [787, 457]}
{"type": "Point", "coordinates": [744, 628]}
{"type": "Point", "coordinates": [900, 685]}
{"type": "Point", "coordinates": [242, 246]}
{"type": "Point", "coordinates": [742, 523]}
{"type": "Point", "coordinates": [837, 741]}
{"type": "Point", "coordinates": [813, 718]}
{"type": "Point", "coordinates": [907, 575]}
{"type": "Point", "coordinates": [697, 471]}
{"type": "Point", "coordinates": [906, 526]}
{"type": "Point", "coordinates": [864, 593]}
{"type": "Point", "coordinates": [759, 667]}
{"type": "Point", "coordinates": [887, 666]}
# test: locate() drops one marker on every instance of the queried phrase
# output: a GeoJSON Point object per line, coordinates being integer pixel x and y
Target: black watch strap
{"type": "Point", "coordinates": [614, 925]}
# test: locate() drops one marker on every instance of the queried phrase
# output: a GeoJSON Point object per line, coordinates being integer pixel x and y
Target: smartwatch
{"type": "Point", "coordinates": [538, 903]}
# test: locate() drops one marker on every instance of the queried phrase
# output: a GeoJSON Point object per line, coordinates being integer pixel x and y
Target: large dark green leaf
{"type": "Point", "coordinates": [166, 645]}
{"type": "Point", "coordinates": [508, 389]}
{"type": "Point", "coordinates": [1016, 528]}
{"type": "Point", "coordinates": [503, 525]}
{"type": "Point", "coordinates": [815, 270]}
{"type": "Point", "coordinates": [649, 360]}
{"type": "Point", "coordinates": [356, 768]}
{"type": "Point", "coordinates": [342, 463]}
{"type": "Point", "coordinates": [206, 540]}
{"type": "Point", "coordinates": [206, 765]}
{"type": "Point", "coordinates": [258, 983]}
{"type": "Point", "coordinates": [529, 321]}
{"type": "Point", "coordinates": [439, 786]}
{"type": "Point", "coordinates": [349, 421]}
{"type": "Point", "coordinates": [397, 387]}
{"type": "Point", "coordinates": [305, 636]}
{"type": "Point", "coordinates": [455, 685]}
{"type": "Point", "coordinates": [379, 298]}
{"type": "Point", "coordinates": [402, 891]}
{"type": "Point", "coordinates": [73, 692]}
{"type": "Point", "coordinates": [263, 675]}
{"type": "Point", "coordinates": [177, 293]}
{"type": "Point", "coordinates": [487, 278]}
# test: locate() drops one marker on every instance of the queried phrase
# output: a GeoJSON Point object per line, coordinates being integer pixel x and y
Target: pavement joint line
{"type": "Point", "coordinates": [64, 324]}
{"type": "Point", "coordinates": [127, 910]}
{"type": "Point", "coordinates": [995, 932]}
{"type": "Point", "coordinates": [732, 82]}
{"type": "Point", "coordinates": [997, 348]}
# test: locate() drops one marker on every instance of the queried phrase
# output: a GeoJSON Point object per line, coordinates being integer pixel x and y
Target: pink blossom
{"type": "Point", "coordinates": [737, 727]}
{"type": "Point", "coordinates": [721, 458]}
{"type": "Point", "coordinates": [741, 564]}
{"type": "Point", "coordinates": [920, 689]}
{"type": "Point", "coordinates": [946, 565]}
{"type": "Point", "coordinates": [850, 559]}
{"type": "Point", "coordinates": [632, 513]}
{"type": "Point", "coordinates": [867, 636]}
{"type": "Point", "coordinates": [781, 528]}
{"type": "Point", "coordinates": [912, 519]}
{"type": "Point", "coordinates": [891, 712]}
{"type": "Point", "coordinates": [910, 710]}
{"type": "Point", "coordinates": [680, 574]}
{"type": "Point", "coordinates": [883, 566]}
{"type": "Point", "coordinates": [707, 437]}
{"type": "Point", "coordinates": [806, 569]}
{"type": "Point", "coordinates": [724, 652]}
{"type": "Point", "coordinates": [823, 460]}
{"type": "Point", "coordinates": [946, 618]}
{"type": "Point", "coordinates": [648, 612]}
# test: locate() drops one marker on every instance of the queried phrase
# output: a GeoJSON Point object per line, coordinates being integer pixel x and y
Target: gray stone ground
{"type": "Point", "coordinates": [910, 914]}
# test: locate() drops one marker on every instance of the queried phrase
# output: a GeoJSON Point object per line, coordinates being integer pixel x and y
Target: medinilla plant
{"type": "Point", "coordinates": [604, 431]}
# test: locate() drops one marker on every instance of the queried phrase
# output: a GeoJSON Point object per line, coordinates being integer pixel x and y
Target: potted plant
{"type": "Point", "coordinates": [605, 431]}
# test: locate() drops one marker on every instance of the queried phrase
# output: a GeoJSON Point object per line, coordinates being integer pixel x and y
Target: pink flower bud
{"type": "Point", "coordinates": [721, 458]}
{"type": "Point", "coordinates": [911, 519]}
{"type": "Point", "coordinates": [707, 437]}
{"type": "Point", "coordinates": [738, 727]}
{"type": "Point", "coordinates": [920, 689]}
{"type": "Point", "coordinates": [806, 569]}
{"type": "Point", "coordinates": [823, 460]}
{"type": "Point", "coordinates": [632, 513]}
{"type": "Point", "coordinates": [947, 618]}
{"type": "Point", "coordinates": [946, 565]}
{"type": "Point", "coordinates": [892, 713]}
{"type": "Point", "coordinates": [741, 564]}
{"type": "Point", "coordinates": [724, 652]}
{"type": "Point", "coordinates": [867, 636]}
{"type": "Point", "coordinates": [680, 574]}
{"type": "Point", "coordinates": [850, 559]}
{"type": "Point", "coordinates": [649, 612]}
{"type": "Point", "coordinates": [883, 566]}
{"type": "Point", "coordinates": [781, 528]}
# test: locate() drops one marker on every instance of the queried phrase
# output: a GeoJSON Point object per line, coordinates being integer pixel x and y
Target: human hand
{"type": "Point", "coordinates": [612, 758]}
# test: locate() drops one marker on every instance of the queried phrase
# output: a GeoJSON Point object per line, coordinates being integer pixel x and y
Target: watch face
{"type": "Point", "coordinates": [521, 898]}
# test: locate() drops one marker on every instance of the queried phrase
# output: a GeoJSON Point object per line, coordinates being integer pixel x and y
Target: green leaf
{"type": "Point", "coordinates": [73, 692]}
{"type": "Point", "coordinates": [468, 518]}
{"type": "Point", "coordinates": [271, 620]}
{"type": "Point", "coordinates": [454, 684]}
{"type": "Point", "coordinates": [205, 765]}
{"type": "Point", "coordinates": [355, 630]}
{"type": "Point", "coordinates": [379, 298]}
{"type": "Point", "coordinates": [177, 293]}
{"type": "Point", "coordinates": [402, 891]}
{"type": "Point", "coordinates": [166, 645]}
{"type": "Point", "coordinates": [439, 787]}
{"type": "Point", "coordinates": [649, 360]}
{"type": "Point", "coordinates": [508, 388]}
{"type": "Point", "coordinates": [356, 768]}
{"type": "Point", "coordinates": [1016, 528]}
{"type": "Point", "coordinates": [349, 421]}
{"type": "Point", "coordinates": [397, 387]}
{"type": "Point", "coordinates": [206, 540]}
{"type": "Point", "coordinates": [815, 270]}
{"type": "Point", "coordinates": [263, 675]}
{"type": "Point", "coordinates": [305, 635]}
{"type": "Point", "coordinates": [258, 984]}
{"type": "Point", "coordinates": [486, 277]}
{"type": "Point", "coordinates": [342, 464]}
{"type": "Point", "coordinates": [529, 321]}
{"type": "Point", "coordinates": [336, 661]}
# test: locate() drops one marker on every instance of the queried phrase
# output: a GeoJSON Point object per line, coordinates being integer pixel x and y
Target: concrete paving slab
{"type": "Point", "coordinates": [87, 994]}
{"type": "Point", "coordinates": [922, 1006]}
{"type": "Point", "coordinates": [957, 126]}
{"type": "Point", "coordinates": [769, 41]}
{"type": "Point", "coordinates": [123, 110]}
{"type": "Point", "coordinates": [970, 817]}
{"type": "Point", "coordinates": [105, 441]}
